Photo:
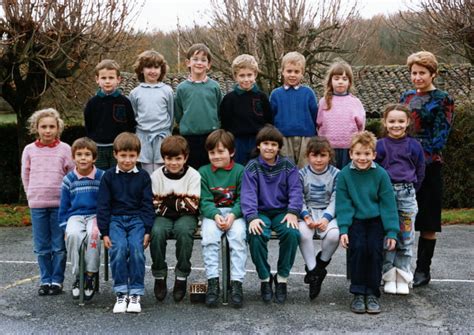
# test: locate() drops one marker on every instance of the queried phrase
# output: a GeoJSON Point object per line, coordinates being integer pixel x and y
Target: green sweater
{"type": "Point", "coordinates": [220, 188]}
{"type": "Point", "coordinates": [196, 107]}
{"type": "Point", "coordinates": [364, 195]}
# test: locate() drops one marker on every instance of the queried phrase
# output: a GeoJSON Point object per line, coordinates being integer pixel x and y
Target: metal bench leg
{"type": "Point", "coordinates": [106, 264]}
{"type": "Point", "coordinates": [81, 271]}
{"type": "Point", "coordinates": [225, 269]}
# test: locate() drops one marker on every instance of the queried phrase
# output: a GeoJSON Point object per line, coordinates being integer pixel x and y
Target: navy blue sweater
{"type": "Point", "coordinates": [125, 194]}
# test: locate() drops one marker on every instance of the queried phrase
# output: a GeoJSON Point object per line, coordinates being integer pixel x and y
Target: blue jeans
{"type": "Point", "coordinates": [211, 240]}
{"type": "Point", "coordinates": [407, 209]}
{"type": "Point", "coordinates": [48, 240]}
{"type": "Point", "coordinates": [127, 256]}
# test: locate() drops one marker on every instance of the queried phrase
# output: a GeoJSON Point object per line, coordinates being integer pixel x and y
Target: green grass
{"type": "Point", "coordinates": [7, 118]}
{"type": "Point", "coordinates": [19, 215]}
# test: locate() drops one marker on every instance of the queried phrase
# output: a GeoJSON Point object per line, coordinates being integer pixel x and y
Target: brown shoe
{"type": "Point", "coordinates": [179, 290]}
{"type": "Point", "coordinates": [160, 289]}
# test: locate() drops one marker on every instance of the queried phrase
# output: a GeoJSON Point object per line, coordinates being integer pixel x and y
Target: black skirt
{"type": "Point", "coordinates": [429, 200]}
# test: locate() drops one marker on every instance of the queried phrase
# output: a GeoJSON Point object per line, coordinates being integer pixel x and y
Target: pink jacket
{"type": "Point", "coordinates": [346, 117]}
{"type": "Point", "coordinates": [42, 172]}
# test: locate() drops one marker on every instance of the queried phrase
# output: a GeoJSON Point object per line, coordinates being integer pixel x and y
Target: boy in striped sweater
{"type": "Point", "coordinates": [78, 213]}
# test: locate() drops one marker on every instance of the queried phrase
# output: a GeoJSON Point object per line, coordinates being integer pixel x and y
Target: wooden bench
{"type": "Point", "coordinates": [225, 261]}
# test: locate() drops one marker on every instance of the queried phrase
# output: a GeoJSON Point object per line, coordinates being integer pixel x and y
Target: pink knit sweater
{"type": "Point", "coordinates": [42, 172]}
{"type": "Point", "coordinates": [346, 117]}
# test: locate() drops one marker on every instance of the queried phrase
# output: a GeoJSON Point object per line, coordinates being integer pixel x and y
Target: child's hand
{"type": "Point", "coordinates": [255, 227]}
{"type": "Point", "coordinates": [221, 222]}
{"type": "Point", "coordinates": [322, 224]}
{"type": "Point", "coordinates": [146, 241]}
{"type": "Point", "coordinates": [344, 241]}
{"type": "Point", "coordinates": [107, 242]}
{"type": "Point", "coordinates": [229, 219]}
{"type": "Point", "coordinates": [291, 220]}
{"type": "Point", "coordinates": [391, 243]}
{"type": "Point", "coordinates": [309, 221]}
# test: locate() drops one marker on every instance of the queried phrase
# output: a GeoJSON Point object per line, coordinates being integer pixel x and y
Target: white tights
{"type": "Point", "coordinates": [329, 244]}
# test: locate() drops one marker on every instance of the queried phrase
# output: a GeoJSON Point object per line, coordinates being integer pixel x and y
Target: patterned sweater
{"type": "Point", "coordinates": [433, 113]}
{"type": "Point", "coordinates": [319, 191]}
{"type": "Point", "coordinates": [42, 172]}
{"type": "Point", "coordinates": [346, 117]}
{"type": "Point", "coordinates": [175, 195]}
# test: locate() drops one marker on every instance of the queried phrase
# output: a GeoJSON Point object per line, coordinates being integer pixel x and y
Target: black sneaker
{"type": "Point", "coordinates": [372, 304]}
{"type": "Point", "coordinates": [358, 304]}
{"type": "Point", "coordinates": [55, 289]}
{"type": "Point", "coordinates": [43, 289]}
{"type": "Point", "coordinates": [280, 291]}
{"type": "Point", "coordinates": [89, 286]}
{"type": "Point", "coordinates": [266, 290]}
{"type": "Point", "coordinates": [160, 289]}
{"type": "Point", "coordinates": [76, 292]}
{"type": "Point", "coordinates": [212, 294]}
{"type": "Point", "coordinates": [236, 294]}
{"type": "Point", "coordinates": [179, 290]}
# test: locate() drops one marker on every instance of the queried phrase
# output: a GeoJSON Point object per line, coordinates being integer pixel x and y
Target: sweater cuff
{"type": "Point", "coordinates": [294, 212]}
{"type": "Point", "coordinates": [251, 217]}
{"type": "Point", "coordinates": [343, 230]}
{"type": "Point", "coordinates": [328, 216]}
{"type": "Point", "coordinates": [303, 214]}
{"type": "Point", "coordinates": [392, 234]}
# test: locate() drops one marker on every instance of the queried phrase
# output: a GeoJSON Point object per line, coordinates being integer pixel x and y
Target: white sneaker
{"type": "Point", "coordinates": [134, 304]}
{"type": "Point", "coordinates": [403, 281]}
{"type": "Point", "coordinates": [121, 303]}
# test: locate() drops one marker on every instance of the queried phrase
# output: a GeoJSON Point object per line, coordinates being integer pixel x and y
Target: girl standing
{"type": "Point", "coordinates": [44, 163]}
{"type": "Point", "coordinates": [340, 114]}
{"type": "Point", "coordinates": [402, 157]}
{"type": "Point", "coordinates": [433, 112]}
{"type": "Point", "coordinates": [153, 104]}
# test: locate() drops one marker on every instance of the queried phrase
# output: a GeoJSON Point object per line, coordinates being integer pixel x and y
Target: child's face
{"type": "Point", "coordinates": [126, 159]}
{"type": "Point", "coordinates": [84, 160]}
{"type": "Point", "coordinates": [422, 78]}
{"type": "Point", "coordinates": [48, 130]}
{"type": "Point", "coordinates": [151, 74]}
{"type": "Point", "coordinates": [220, 156]}
{"type": "Point", "coordinates": [362, 156]}
{"type": "Point", "coordinates": [175, 164]}
{"type": "Point", "coordinates": [292, 74]}
{"type": "Point", "coordinates": [107, 80]}
{"type": "Point", "coordinates": [319, 161]}
{"type": "Point", "coordinates": [396, 123]}
{"type": "Point", "coordinates": [340, 83]}
{"type": "Point", "coordinates": [245, 78]}
{"type": "Point", "coordinates": [268, 151]}
{"type": "Point", "coordinates": [198, 64]}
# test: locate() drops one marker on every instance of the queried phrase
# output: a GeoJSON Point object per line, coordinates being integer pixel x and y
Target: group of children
{"type": "Point", "coordinates": [242, 181]}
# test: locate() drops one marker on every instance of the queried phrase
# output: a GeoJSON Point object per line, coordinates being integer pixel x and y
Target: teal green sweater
{"type": "Point", "coordinates": [196, 107]}
{"type": "Point", "coordinates": [364, 195]}
{"type": "Point", "coordinates": [220, 188]}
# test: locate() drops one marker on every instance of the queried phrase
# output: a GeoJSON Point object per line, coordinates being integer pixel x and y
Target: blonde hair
{"type": "Point", "coordinates": [337, 68]}
{"type": "Point", "coordinates": [244, 61]}
{"type": "Point", "coordinates": [364, 138]}
{"type": "Point", "coordinates": [425, 59]}
{"type": "Point", "coordinates": [150, 58]}
{"type": "Point", "coordinates": [295, 58]}
{"type": "Point", "coordinates": [35, 118]}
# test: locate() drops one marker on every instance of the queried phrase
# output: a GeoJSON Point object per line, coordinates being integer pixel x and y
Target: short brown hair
{"type": "Point", "coordinates": [173, 146]}
{"type": "Point", "coordinates": [269, 133]}
{"type": "Point", "coordinates": [150, 58]}
{"type": "Point", "coordinates": [398, 107]}
{"type": "Point", "coordinates": [108, 64]}
{"type": "Point", "coordinates": [35, 118]}
{"type": "Point", "coordinates": [244, 61]}
{"type": "Point", "coordinates": [425, 59]}
{"type": "Point", "coordinates": [295, 58]}
{"type": "Point", "coordinates": [127, 142]}
{"type": "Point", "coordinates": [197, 48]}
{"type": "Point", "coordinates": [364, 138]}
{"type": "Point", "coordinates": [84, 143]}
{"type": "Point", "coordinates": [220, 136]}
{"type": "Point", "coordinates": [319, 144]}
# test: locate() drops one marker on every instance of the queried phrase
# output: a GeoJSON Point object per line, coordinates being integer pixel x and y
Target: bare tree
{"type": "Point", "coordinates": [268, 29]}
{"type": "Point", "coordinates": [45, 42]}
{"type": "Point", "coordinates": [445, 25]}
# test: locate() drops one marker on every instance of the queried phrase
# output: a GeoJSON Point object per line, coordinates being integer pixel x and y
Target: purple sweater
{"type": "Point", "coordinates": [403, 160]}
{"type": "Point", "coordinates": [270, 187]}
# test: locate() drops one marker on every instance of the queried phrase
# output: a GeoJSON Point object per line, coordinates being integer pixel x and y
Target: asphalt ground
{"type": "Point", "coordinates": [442, 307]}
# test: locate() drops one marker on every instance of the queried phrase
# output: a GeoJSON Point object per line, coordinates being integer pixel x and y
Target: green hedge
{"type": "Point", "coordinates": [458, 170]}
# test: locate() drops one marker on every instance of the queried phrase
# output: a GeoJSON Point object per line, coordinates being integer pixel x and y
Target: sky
{"type": "Point", "coordinates": [163, 14]}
